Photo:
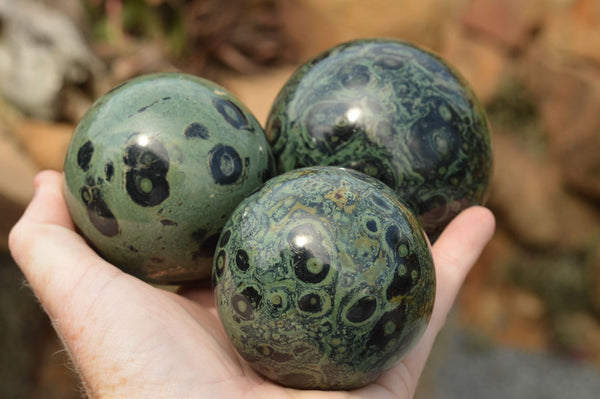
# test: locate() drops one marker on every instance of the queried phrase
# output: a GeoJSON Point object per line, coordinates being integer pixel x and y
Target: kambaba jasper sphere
{"type": "Point", "coordinates": [323, 279]}
{"type": "Point", "coordinates": [155, 168]}
{"type": "Point", "coordinates": [393, 111]}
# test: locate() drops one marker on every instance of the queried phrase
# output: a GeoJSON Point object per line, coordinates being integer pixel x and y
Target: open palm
{"type": "Point", "coordinates": [129, 339]}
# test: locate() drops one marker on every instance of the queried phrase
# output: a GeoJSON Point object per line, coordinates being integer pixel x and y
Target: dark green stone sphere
{"type": "Point", "coordinates": [155, 168]}
{"type": "Point", "coordinates": [323, 279]}
{"type": "Point", "coordinates": [393, 111]}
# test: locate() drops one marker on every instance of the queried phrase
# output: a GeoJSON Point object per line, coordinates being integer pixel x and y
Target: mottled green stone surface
{"type": "Point", "coordinates": [155, 168]}
{"type": "Point", "coordinates": [395, 112]}
{"type": "Point", "coordinates": [323, 279]}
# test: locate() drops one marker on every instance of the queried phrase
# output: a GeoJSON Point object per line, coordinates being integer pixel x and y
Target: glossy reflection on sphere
{"type": "Point", "coordinates": [395, 112]}
{"type": "Point", "coordinates": [155, 168]}
{"type": "Point", "coordinates": [323, 279]}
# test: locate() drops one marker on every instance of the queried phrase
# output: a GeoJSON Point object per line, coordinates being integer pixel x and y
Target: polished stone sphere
{"type": "Point", "coordinates": [323, 279]}
{"type": "Point", "coordinates": [155, 168]}
{"type": "Point", "coordinates": [393, 111]}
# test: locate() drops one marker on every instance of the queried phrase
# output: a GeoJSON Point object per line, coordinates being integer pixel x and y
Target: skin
{"type": "Point", "coordinates": [128, 339]}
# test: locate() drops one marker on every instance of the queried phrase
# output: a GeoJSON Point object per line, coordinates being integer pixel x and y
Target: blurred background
{"type": "Point", "coordinates": [527, 322]}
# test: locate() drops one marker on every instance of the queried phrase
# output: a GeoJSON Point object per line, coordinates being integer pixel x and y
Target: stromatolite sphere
{"type": "Point", "coordinates": [155, 168]}
{"type": "Point", "coordinates": [323, 279]}
{"type": "Point", "coordinates": [393, 111]}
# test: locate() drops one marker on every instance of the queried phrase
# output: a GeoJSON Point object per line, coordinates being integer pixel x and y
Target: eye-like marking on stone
{"type": "Point", "coordinates": [220, 263]}
{"type": "Point", "coordinates": [387, 328]}
{"type": "Point", "coordinates": [147, 160]}
{"type": "Point", "coordinates": [310, 303]}
{"type": "Point", "coordinates": [242, 260]}
{"type": "Point", "coordinates": [98, 211]}
{"type": "Point", "coordinates": [246, 302]}
{"type": "Point", "coordinates": [232, 113]}
{"type": "Point", "coordinates": [362, 309]}
{"type": "Point", "coordinates": [310, 260]}
{"type": "Point", "coordinates": [225, 164]}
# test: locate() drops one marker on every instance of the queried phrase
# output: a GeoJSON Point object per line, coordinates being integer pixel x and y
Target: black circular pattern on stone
{"type": "Point", "coordinates": [220, 263]}
{"type": "Point", "coordinates": [84, 155]}
{"type": "Point", "coordinates": [246, 302]}
{"type": "Point", "coordinates": [98, 211]}
{"type": "Point", "coordinates": [403, 281]}
{"type": "Point", "coordinates": [224, 239]}
{"type": "Point", "coordinates": [197, 130]}
{"type": "Point", "coordinates": [232, 113]}
{"type": "Point", "coordinates": [388, 327]}
{"type": "Point", "coordinates": [372, 226]}
{"type": "Point", "coordinates": [146, 179]}
{"type": "Point", "coordinates": [310, 260]}
{"type": "Point", "coordinates": [225, 164]}
{"type": "Point", "coordinates": [242, 260]}
{"type": "Point", "coordinates": [362, 310]}
{"type": "Point", "coordinates": [310, 303]}
{"type": "Point", "coordinates": [392, 236]}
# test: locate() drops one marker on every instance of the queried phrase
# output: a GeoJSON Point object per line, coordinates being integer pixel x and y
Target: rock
{"type": "Point", "coordinates": [581, 166]}
{"type": "Point", "coordinates": [567, 96]}
{"type": "Point", "coordinates": [573, 31]}
{"type": "Point", "coordinates": [510, 23]}
{"type": "Point", "coordinates": [317, 25]}
{"type": "Point", "coordinates": [524, 207]}
{"type": "Point", "coordinates": [41, 52]}
{"type": "Point", "coordinates": [530, 200]}
{"type": "Point", "coordinates": [568, 99]}
{"type": "Point", "coordinates": [482, 63]}
{"type": "Point", "coordinates": [492, 305]}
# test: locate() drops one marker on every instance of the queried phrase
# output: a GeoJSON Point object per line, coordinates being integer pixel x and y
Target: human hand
{"type": "Point", "coordinates": [128, 339]}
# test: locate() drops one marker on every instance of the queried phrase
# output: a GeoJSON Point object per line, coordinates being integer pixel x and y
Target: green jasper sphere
{"type": "Point", "coordinates": [323, 279]}
{"type": "Point", "coordinates": [393, 111]}
{"type": "Point", "coordinates": [155, 168]}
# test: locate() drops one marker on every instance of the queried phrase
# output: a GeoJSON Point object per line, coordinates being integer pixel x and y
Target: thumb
{"type": "Point", "coordinates": [55, 260]}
